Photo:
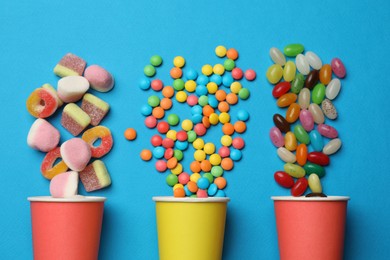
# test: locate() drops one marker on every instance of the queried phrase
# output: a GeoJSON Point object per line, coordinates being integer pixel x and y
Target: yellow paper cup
{"type": "Point", "coordinates": [190, 228]}
{"type": "Point", "coordinates": [311, 228]}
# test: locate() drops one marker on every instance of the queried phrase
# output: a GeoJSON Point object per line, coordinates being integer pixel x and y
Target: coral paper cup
{"type": "Point", "coordinates": [311, 228]}
{"type": "Point", "coordinates": [190, 228]}
{"type": "Point", "coordinates": [66, 228]}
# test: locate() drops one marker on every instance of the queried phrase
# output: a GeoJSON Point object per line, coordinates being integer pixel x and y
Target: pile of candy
{"type": "Point", "coordinates": [210, 94]}
{"type": "Point", "coordinates": [303, 93]}
{"type": "Point", "coordinates": [76, 153]}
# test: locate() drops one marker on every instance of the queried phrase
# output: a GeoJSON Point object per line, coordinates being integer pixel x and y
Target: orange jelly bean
{"type": "Point", "coordinates": [292, 113]}
{"type": "Point", "coordinates": [326, 74]}
{"type": "Point", "coordinates": [301, 154]}
{"type": "Point", "coordinates": [286, 100]}
{"type": "Point", "coordinates": [290, 141]}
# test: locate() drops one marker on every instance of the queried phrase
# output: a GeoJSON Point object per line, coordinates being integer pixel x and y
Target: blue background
{"type": "Point", "coordinates": [122, 35]}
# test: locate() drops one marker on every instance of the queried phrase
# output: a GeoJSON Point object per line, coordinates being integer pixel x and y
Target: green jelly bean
{"type": "Point", "coordinates": [293, 49]}
{"type": "Point", "coordinates": [301, 134]}
{"type": "Point", "coordinates": [314, 168]}
{"type": "Point", "coordinates": [294, 170]}
{"type": "Point", "coordinates": [318, 93]}
{"type": "Point", "coordinates": [297, 83]}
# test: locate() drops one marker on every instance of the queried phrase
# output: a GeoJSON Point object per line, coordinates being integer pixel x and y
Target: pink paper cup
{"type": "Point", "coordinates": [311, 228]}
{"type": "Point", "coordinates": [66, 228]}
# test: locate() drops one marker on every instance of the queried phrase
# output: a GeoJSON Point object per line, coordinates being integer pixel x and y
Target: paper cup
{"type": "Point", "coordinates": [311, 228]}
{"type": "Point", "coordinates": [66, 228]}
{"type": "Point", "coordinates": [190, 228]}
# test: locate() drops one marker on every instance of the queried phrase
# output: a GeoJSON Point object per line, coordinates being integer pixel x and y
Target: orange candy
{"type": "Point", "coordinates": [231, 98]}
{"type": "Point", "coordinates": [179, 193]}
{"type": "Point", "coordinates": [292, 113]}
{"type": "Point", "coordinates": [171, 163]}
{"type": "Point", "coordinates": [232, 54]}
{"type": "Point", "coordinates": [220, 182]}
{"type": "Point", "coordinates": [227, 164]}
{"type": "Point", "coordinates": [192, 186]}
{"type": "Point", "coordinates": [326, 74]}
{"type": "Point", "coordinates": [205, 165]}
{"type": "Point", "coordinates": [158, 112]}
{"type": "Point", "coordinates": [240, 126]}
{"type": "Point", "coordinates": [301, 154]}
{"type": "Point", "coordinates": [146, 155]}
{"type": "Point", "coordinates": [168, 92]}
{"type": "Point", "coordinates": [223, 106]}
{"type": "Point", "coordinates": [220, 95]}
{"type": "Point", "coordinates": [228, 129]}
{"type": "Point", "coordinates": [207, 110]}
{"type": "Point", "coordinates": [166, 103]}
{"type": "Point", "coordinates": [176, 73]}
{"type": "Point", "coordinates": [130, 134]}
{"type": "Point", "coordinates": [286, 99]}
{"type": "Point", "coordinates": [206, 122]}
{"type": "Point", "coordinates": [195, 166]}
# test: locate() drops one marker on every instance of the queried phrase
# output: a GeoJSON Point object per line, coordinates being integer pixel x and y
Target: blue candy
{"type": "Point", "coordinates": [316, 140]}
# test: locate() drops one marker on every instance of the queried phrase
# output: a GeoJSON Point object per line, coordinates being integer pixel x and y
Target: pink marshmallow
{"type": "Point", "coordinates": [43, 136]}
{"type": "Point", "coordinates": [72, 88]}
{"type": "Point", "coordinates": [64, 185]}
{"type": "Point", "coordinates": [99, 78]}
{"type": "Point", "coordinates": [76, 154]}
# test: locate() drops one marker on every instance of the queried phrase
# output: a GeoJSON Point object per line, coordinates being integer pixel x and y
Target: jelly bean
{"type": "Point", "coordinates": [292, 113]}
{"type": "Point", "coordinates": [333, 89]}
{"type": "Point", "coordinates": [274, 73]}
{"type": "Point", "coordinates": [290, 141]}
{"type": "Point", "coordinates": [329, 109]}
{"type": "Point", "coordinates": [289, 71]}
{"type": "Point", "coordinates": [304, 98]}
{"type": "Point", "coordinates": [302, 64]}
{"type": "Point", "coordinates": [325, 74]}
{"type": "Point", "coordinates": [306, 119]}
{"type": "Point", "coordinates": [312, 79]}
{"type": "Point", "coordinates": [338, 67]}
{"type": "Point", "coordinates": [318, 158]}
{"type": "Point", "coordinates": [314, 61]}
{"type": "Point", "coordinates": [327, 131]}
{"type": "Point", "coordinates": [299, 187]}
{"type": "Point", "coordinates": [277, 56]}
{"type": "Point", "coordinates": [317, 114]}
{"type": "Point", "coordinates": [281, 123]}
{"type": "Point", "coordinates": [294, 170]}
{"type": "Point", "coordinates": [314, 183]}
{"type": "Point", "coordinates": [314, 168]}
{"type": "Point", "coordinates": [293, 49]}
{"type": "Point", "coordinates": [332, 147]}
{"type": "Point", "coordinates": [276, 137]}
{"type": "Point", "coordinates": [318, 93]}
{"type": "Point", "coordinates": [280, 89]}
{"type": "Point", "coordinates": [297, 83]}
{"type": "Point", "coordinates": [285, 155]}
{"type": "Point", "coordinates": [316, 140]}
{"type": "Point", "coordinates": [301, 134]}
{"type": "Point", "coordinates": [301, 154]}
{"type": "Point", "coordinates": [283, 179]}
{"type": "Point", "coordinates": [286, 100]}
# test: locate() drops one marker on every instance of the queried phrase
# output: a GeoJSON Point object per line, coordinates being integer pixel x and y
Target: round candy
{"type": "Point", "coordinates": [156, 60]}
{"type": "Point", "coordinates": [173, 119]}
{"type": "Point", "coordinates": [181, 96]}
{"type": "Point", "coordinates": [226, 140]}
{"type": "Point", "coordinates": [220, 51]}
{"type": "Point", "coordinates": [242, 115]}
{"type": "Point", "coordinates": [235, 155]}
{"type": "Point", "coordinates": [250, 74]}
{"type": "Point", "coordinates": [209, 148]}
{"type": "Point", "coordinates": [237, 73]}
{"type": "Point", "coordinates": [146, 155]}
{"type": "Point", "coordinates": [216, 78]}
{"type": "Point", "coordinates": [150, 122]}
{"type": "Point", "coordinates": [168, 143]}
{"type": "Point", "coordinates": [157, 84]}
{"type": "Point", "coordinates": [146, 110]}
{"type": "Point", "coordinates": [184, 178]}
{"type": "Point", "coordinates": [168, 91]}
{"type": "Point", "coordinates": [199, 155]}
{"type": "Point", "coordinates": [171, 134]}
{"type": "Point", "coordinates": [192, 100]}
{"type": "Point", "coordinates": [216, 171]}
{"type": "Point", "coordinates": [179, 61]}
{"type": "Point", "coordinates": [156, 140]}
{"type": "Point", "coordinates": [220, 182]}
{"type": "Point", "coordinates": [200, 129]}
{"type": "Point", "coordinates": [232, 54]}
{"type": "Point", "coordinates": [98, 132]}
{"type": "Point", "coordinates": [178, 84]}
{"type": "Point", "coordinates": [149, 70]}
{"type": "Point", "coordinates": [202, 79]}
{"type": "Point", "coordinates": [158, 112]}
{"type": "Point", "coordinates": [229, 64]}
{"type": "Point", "coordinates": [212, 190]}
{"type": "Point", "coordinates": [203, 183]}
{"type": "Point", "coordinates": [224, 151]}
{"type": "Point", "coordinates": [191, 136]}
{"type": "Point", "coordinates": [191, 74]}
{"type": "Point", "coordinates": [130, 134]}
{"type": "Point", "coordinates": [178, 154]}
{"type": "Point", "coordinates": [171, 179]}
{"type": "Point", "coordinates": [144, 84]}
{"type": "Point", "coordinates": [153, 101]}
{"type": "Point", "coordinates": [238, 143]}
{"type": "Point", "coordinates": [158, 152]}
{"type": "Point", "coordinates": [162, 127]}
{"type": "Point", "coordinates": [161, 166]}
{"type": "Point", "coordinates": [176, 73]}
{"type": "Point", "coordinates": [207, 69]}
{"type": "Point", "coordinates": [215, 159]}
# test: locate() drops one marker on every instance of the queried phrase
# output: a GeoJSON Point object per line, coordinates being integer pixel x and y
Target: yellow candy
{"type": "Point", "coordinates": [220, 51]}
{"type": "Point", "coordinates": [207, 70]}
{"type": "Point", "coordinates": [187, 125]}
{"type": "Point", "coordinates": [209, 148]}
{"type": "Point", "coordinates": [224, 117]}
{"type": "Point", "coordinates": [178, 169]}
{"type": "Point", "coordinates": [226, 140]}
{"type": "Point", "coordinates": [215, 159]}
{"type": "Point", "coordinates": [178, 185]}
{"type": "Point", "coordinates": [218, 69]}
{"type": "Point", "coordinates": [290, 141]}
{"type": "Point", "coordinates": [171, 134]}
{"type": "Point", "coordinates": [179, 61]}
{"type": "Point", "coordinates": [235, 87]}
{"type": "Point", "coordinates": [190, 85]}
{"type": "Point", "coordinates": [314, 183]}
{"type": "Point", "coordinates": [181, 96]}
{"type": "Point", "coordinates": [212, 87]}
{"type": "Point", "coordinates": [214, 118]}
{"type": "Point", "coordinates": [198, 144]}
{"type": "Point", "coordinates": [274, 73]}
{"type": "Point", "coordinates": [289, 71]}
{"type": "Point", "coordinates": [199, 155]}
{"type": "Point", "coordinates": [195, 177]}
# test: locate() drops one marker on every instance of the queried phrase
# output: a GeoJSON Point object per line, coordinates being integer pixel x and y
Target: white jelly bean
{"type": "Point", "coordinates": [317, 113]}
{"type": "Point", "coordinates": [332, 147]}
{"type": "Point", "coordinates": [304, 98]}
{"type": "Point", "coordinates": [286, 155]}
{"type": "Point", "coordinates": [329, 109]}
{"type": "Point", "coordinates": [314, 183]}
{"type": "Point", "coordinates": [314, 61]}
{"type": "Point", "coordinates": [302, 64]}
{"type": "Point", "coordinates": [277, 56]}
{"type": "Point", "coordinates": [333, 89]}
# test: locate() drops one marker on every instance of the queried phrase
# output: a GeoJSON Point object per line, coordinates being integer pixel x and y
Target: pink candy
{"type": "Point", "coordinates": [43, 136]}
{"type": "Point", "coordinates": [338, 67]}
{"type": "Point", "coordinates": [64, 185]}
{"type": "Point", "coordinates": [276, 137]}
{"type": "Point", "coordinates": [76, 154]}
{"type": "Point", "coordinates": [306, 119]}
{"type": "Point", "coordinates": [99, 78]}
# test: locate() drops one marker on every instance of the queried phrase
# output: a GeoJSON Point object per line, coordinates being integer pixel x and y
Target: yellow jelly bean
{"type": "Point", "coordinates": [212, 87]}
{"type": "Point", "coordinates": [274, 73]}
{"type": "Point", "coordinates": [235, 87]}
{"type": "Point", "coordinates": [215, 159]}
{"type": "Point", "coordinates": [187, 125]}
{"type": "Point", "coordinates": [290, 141]}
{"type": "Point", "coordinates": [178, 169]}
{"type": "Point", "coordinates": [207, 70]}
{"type": "Point", "coordinates": [190, 85]}
{"type": "Point", "coordinates": [218, 69]}
{"type": "Point", "coordinates": [224, 118]}
{"type": "Point", "coordinates": [181, 96]}
{"type": "Point", "coordinates": [209, 148]}
{"type": "Point", "coordinates": [171, 134]}
{"type": "Point", "coordinates": [198, 144]}
{"type": "Point", "coordinates": [214, 118]}
{"type": "Point", "coordinates": [195, 177]}
{"type": "Point", "coordinates": [199, 155]}
{"type": "Point", "coordinates": [226, 140]}
{"type": "Point", "coordinates": [315, 183]}
{"type": "Point", "coordinates": [289, 71]}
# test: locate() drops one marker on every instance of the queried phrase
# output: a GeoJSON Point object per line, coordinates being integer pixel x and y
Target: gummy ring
{"type": "Point", "coordinates": [94, 133]}
{"type": "Point", "coordinates": [41, 103]}
{"type": "Point", "coordinates": [48, 169]}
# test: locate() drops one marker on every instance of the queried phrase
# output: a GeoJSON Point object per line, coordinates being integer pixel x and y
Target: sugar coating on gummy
{"type": "Point", "coordinates": [74, 119]}
{"type": "Point", "coordinates": [72, 88]}
{"type": "Point", "coordinates": [99, 78]}
{"type": "Point", "coordinates": [76, 153]}
{"type": "Point", "coordinates": [43, 136]}
{"type": "Point", "coordinates": [95, 176]}
{"type": "Point", "coordinates": [48, 168]}
{"type": "Point", "coordinates": [64, 185]}
{"type": "Point", "coordinates": [41, 103]}
{"type": "Point", "coordinates": [70, 65]}
{"type": "Point", "coordinates": [53, 91]}
{"type": "Point", "coordinates": [94, 133]}
{"type": "Point", "coordinates": [95, 108]}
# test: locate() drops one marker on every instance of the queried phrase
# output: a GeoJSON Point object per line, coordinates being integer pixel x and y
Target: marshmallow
{"type": "Point", "coordinates": [95, 108]}
{"type": "Point", "coordinates": [64, 185]}
{"type": "Point", "coordinates": [74, 119]}
{"type": "Point", "coordinates": [76, 154]}
{"type": "Point", "coordinates": [95, 176]}
{"type": "Point", "coordinates": [43, 136]}
{"type": "Point", "coordinates": [72, 88]}
{"type": "Point", "coordinates": [99, 78]}
{"type": "Point", "coordinates": [70, 65]}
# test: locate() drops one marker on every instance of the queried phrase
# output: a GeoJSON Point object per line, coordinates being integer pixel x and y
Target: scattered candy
{"type": "Point", "coordinates": [95, 176]}
{"type": "Point", "coordinates": [130, 134]}
{"type": "Point", "coordinates": [98, 132]}
{"type": "Point", "coordinates": [100, 79]}
{"type": "Point", "coordinates": [64, 185]}
{"type": "Point", "coordinates": [43, 136]}
{"type": "Point", "coordinates": [95, 108]}
{"type": "Point", "coordinates": [72, 88]}
{"type": "Point", "coordinates": [76, 153]}
{"type": "Point", "coordinates": [74, 119]}
{"type": "Point", "coordinates": [70, 65]}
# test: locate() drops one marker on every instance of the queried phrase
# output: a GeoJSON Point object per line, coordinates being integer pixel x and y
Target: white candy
{"type": "Point", "coordinates": [302, 64]}
{"type": "Point", "coordinates": [277, 56]}
{"type": "Point", "coordinates": [286, 155]}
{"type": "Point", "coordinates": [317, 113]}
{"type": "Point", "coordinates": [333, 89]}
{"type": "Point", "coordinates": [314, 61]}
{"type": "Point", "coordinates": [72, 88]}
{"type": "Point", "coordinates": [332, 147]}
{"type": "Point", "coordinates": [304, 98]}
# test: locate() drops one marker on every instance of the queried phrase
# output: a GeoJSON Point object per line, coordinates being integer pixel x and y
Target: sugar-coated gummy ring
{"type": "Point", "coordinates": [92, 134]}
{"type": "Point", "coordinates": [48, 169]}
{"type": "Point", "coordinates": [41, 103]}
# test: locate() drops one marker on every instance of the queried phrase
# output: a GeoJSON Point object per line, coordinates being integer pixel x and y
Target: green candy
{"type": "Point", "coordinates": [293, 49]}
{"type": "Point", "coordinates": [314, 168]}
{"type": "Point", "coordinates": [178, 155]}
{"type": "Point", "coordinates": [216, 171]}
{"type": "Point", "coordinates": [244, 93]}
{"type": "Point", "coordinates": [156, 60]}
{"type": "Point", "coordinates": [173, 119]}
{"type": "Point", "coordinates": [153, 101]}
{"type": "Point", "coordinates": [301, 134]}
{"type": "Point", "coordinates": [318, 93]}
{"type": "Point", "coordinates": [208, 176]}
{"type": "Point", "coordinates": [297, 83]}
{"type": "Point", "coordinates": [229, 64]}
{"type": "Point", "coordinates": [172, 179]}
{"type": "Point", "coordinates": [203, 100]}
{"type": "Point", "coordinates": [178, 84]}
{"type": "Point", "coordinates": [191, 136]}
{"type": "Point", "coordinates": [149, 70]}
{"type": "Point", "coordinates": [294, 170]}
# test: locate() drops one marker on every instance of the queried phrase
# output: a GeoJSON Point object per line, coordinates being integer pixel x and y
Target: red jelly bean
{"type": "Point", "coordinates": [318, 158]}
{"type": "Point", "coordinates": [299, 187]}
{"type": "Point", "coordinates": [280, 89]}
{"type": "Point", "coordinates": [283, 179]}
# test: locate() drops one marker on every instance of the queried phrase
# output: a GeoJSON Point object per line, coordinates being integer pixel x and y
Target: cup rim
{"type": "Point", "coordinates": [190, 200]}
{"type": "Point", "coordinates": [77, 198]}
{"type": "Point", "coordinates": [302, 198]}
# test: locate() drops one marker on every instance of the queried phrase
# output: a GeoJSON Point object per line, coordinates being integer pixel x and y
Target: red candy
{"type": "Point", "coordinates": [168, 143]}
{"type": "Point", "coordinates": [168, 154]}
{"type": "Point", "coordinates": [184, 178]}
{"type": "Point", "coordinates": [150, 122]}
{"type": "Point", "coordinates": [284, 179]}
{"type": "Point", "coordinates": [238, 143]}
{"type": "Point", "coordinates": [162, 127]}
{"type": "Point", "coordinates": [250, 74]}
{"type": "Point", "coordinates": [318, 158]}
{"type": "Point", "coordinates": [156, 140]}
{"type": "Point", "coordinates": [48, 169]}
{"type": "Point", "coordinates": [299, 187]}
{"type": "Point", "coordinates": [161, 166]}
{"type": "Point", "coordinates": [201, 193]}
{"type": "Point", "coordinates": [156, 85]}
{"type": "Point", "coordinates": [280, 89]}
{"type": "Point", "coordinates": [200, 129]}
{"type": "Point", "coordinates": [182, 136]}
{"type": "Point", "coordinates": [224, 151]}
{"type": "Point", "coordinates": [237, 73]}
